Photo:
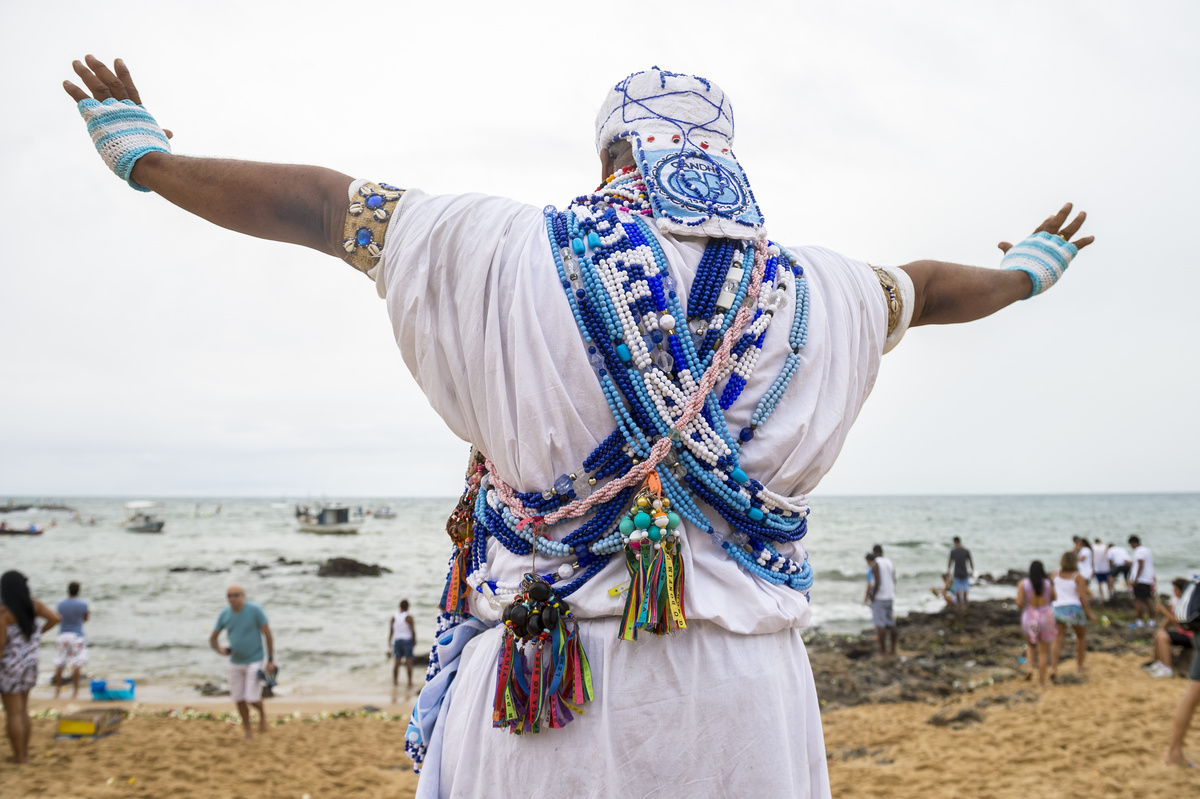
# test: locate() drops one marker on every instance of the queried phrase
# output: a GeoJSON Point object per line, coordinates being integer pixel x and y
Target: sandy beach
{"type": "Point", "coordinates": [1098, 734]}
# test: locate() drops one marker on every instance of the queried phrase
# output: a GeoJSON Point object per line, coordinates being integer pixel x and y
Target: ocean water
{"type": "Point", "coordinates": [151, 624]}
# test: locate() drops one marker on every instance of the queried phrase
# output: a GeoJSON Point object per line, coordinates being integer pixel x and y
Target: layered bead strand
{"type": "Point", "coordinates": [657, 366]}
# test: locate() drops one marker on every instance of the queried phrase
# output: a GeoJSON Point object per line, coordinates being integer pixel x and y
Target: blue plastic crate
{"type": "Point", "coordinates": [102, 692]}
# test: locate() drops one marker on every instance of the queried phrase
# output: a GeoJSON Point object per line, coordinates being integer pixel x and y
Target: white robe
{"type": "Point", "coordinates": [727, 706]}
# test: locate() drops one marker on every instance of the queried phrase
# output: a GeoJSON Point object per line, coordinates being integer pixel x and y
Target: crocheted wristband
{"type": "Point", "coordinates": [123, 132]}
{"type": "Point", "coordinates": [1042, 256]}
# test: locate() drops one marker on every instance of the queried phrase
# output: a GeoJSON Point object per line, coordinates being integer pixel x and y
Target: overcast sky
{"type": "Point", "coordinates": [146, 352]}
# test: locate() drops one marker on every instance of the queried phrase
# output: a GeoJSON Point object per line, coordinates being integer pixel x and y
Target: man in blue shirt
{"type": "Point", "coordinates": [71, 647]}
{"type": "Point", "coordinates": [246, 626]}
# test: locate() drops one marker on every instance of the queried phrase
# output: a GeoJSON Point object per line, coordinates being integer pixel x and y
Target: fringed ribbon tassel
{"type": "Point", "coordinates": [634, 597]}
{"type": "Point", "coordinates": [456, 594]}
{"type": "Point", "coordinates": [512, 687]}
{"type": "Point", "coordinates": [577, 676]}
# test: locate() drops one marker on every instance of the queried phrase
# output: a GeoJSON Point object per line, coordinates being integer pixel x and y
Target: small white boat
{"type": "Point", "coordinates": [385, 512]}
{"type": "Point", "coordinates": [140, 519]}
{"type": "Point", "coordinates": [329, 520]}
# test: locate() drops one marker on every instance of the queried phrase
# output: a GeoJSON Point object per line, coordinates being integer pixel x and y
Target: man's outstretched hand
{"type": "Point", "coordinates": [296, 204]}
{"type": "Point", "coordinates": [1054, 226]}
{"type": "Point", "coordinates": [103, 83]}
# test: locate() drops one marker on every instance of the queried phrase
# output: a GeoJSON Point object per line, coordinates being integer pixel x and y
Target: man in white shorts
{"type": "Point", "coordinates": [70, 650]}
{"type": "Point", "coordinates": [245, 623]}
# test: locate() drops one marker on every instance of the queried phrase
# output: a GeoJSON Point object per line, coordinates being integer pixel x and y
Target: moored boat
{"type": "Point", "coordinates": [328, 520]}
{"type": "Point", "coordinates": [33, 529]}
{"type": "Point", "coordinates": [140, 519]}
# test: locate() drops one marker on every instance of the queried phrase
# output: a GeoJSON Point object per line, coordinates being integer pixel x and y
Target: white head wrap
{"type": "Point", "coordinates": [681, 129]}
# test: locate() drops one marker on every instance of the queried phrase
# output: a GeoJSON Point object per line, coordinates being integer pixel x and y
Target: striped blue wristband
{"type": "Point", "coordinates": [123, 132]}
{"type": "Point", "coordinates": [1044, 257]}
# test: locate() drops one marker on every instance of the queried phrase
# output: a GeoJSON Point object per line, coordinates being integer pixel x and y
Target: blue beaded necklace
{"type": "Point", "coordinates": [649, 355]}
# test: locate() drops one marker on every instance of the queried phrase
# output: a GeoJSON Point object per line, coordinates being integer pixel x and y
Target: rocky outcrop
{"type": "Point", "coordinates": [947, 654]}
{"type": "Point", "coordinates": [349, 567]}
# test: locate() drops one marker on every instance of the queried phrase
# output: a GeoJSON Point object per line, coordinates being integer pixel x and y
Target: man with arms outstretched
{"type": "Point", "coordinates": [704, 367]}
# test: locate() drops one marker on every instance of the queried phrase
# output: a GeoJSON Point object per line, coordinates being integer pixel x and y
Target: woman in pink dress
{"type": "Point", "coordinates": [1034, 595]}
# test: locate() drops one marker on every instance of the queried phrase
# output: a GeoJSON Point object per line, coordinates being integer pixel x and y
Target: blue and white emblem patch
{"type": "Point", "coordinates": [690, 188]}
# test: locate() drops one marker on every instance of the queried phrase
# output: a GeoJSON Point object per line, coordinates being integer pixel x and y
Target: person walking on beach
{"type": "Point", "coordinates": [1103, 570]}
{"type": "Point", "coordinates": [963, 568]}
{"type": "Point", "coordinates": [19, 638]}
{"type": "Point", "coordinates": [882, 596]}
{"type": "Point", "coordinates": [1143, 582]}
{"type": "Point", "coordinates": [1083, 557]}
{"type": "Point", "coordinates": [1072, 608]}
{"type": "Point", "coordinates": [402, 637]}
{"type": "Point", "coordinates": [1170, 634]}
{"type": "Point", "coordinates": [70, 650]}
{"type": "Point", "coordinates": [1120, 564]}
{"type": "Point", "coordinates": [1034, 596]}
{"type": "Point", "coordinates": [246, 626]}
{"type": "Point", "coordinates": [649, 342]}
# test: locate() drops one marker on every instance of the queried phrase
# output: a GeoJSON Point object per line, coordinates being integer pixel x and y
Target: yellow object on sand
{"type": "Point", "coordinates": [90, 723]}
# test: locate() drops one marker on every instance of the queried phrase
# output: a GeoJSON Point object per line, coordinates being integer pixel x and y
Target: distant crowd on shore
{"type": "Point", "coordinates": [1052, 603]}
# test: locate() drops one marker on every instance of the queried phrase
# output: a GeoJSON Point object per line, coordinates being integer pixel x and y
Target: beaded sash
{"type": "Point", "coordinates": [658, 365]}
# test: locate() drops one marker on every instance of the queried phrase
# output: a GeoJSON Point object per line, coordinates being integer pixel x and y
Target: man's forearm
{"type": "Point", "coordinates": [949, 293]}
{"type": "Point", "coordinates": [283, 202]}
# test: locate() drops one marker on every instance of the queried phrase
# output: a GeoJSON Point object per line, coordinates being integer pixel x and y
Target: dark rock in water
{"type": "Point", "coordinates": [282, 561]}
{"type": "Point", "coordinates": [258, 567]}
{"type": "Point", "coordinates": [211, 689]}
{"type": "Point", "coordinates": [201, 569]}
{"type": "Point", "coordinates": [349, 567]}
{"type": "Point", "coordinates": [947, 717]}
{"type": "Point", "coordinates": [1011, 577]}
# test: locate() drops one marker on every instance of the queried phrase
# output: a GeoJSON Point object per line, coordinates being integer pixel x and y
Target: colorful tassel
{"type": "Point", "coordinates": [460, 525]}
{"type": "Point", "coordinates": [551, 689]}
{"type": "Point", "coordinates": [655, 599]}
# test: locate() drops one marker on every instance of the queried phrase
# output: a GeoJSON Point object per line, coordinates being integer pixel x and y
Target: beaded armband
{"type": "Point", "coordinates": [1042, 256]}
{"type": "Point", "coordinates": [366, 223]}
{"type": "Point", "coordinates": [893, 297]}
